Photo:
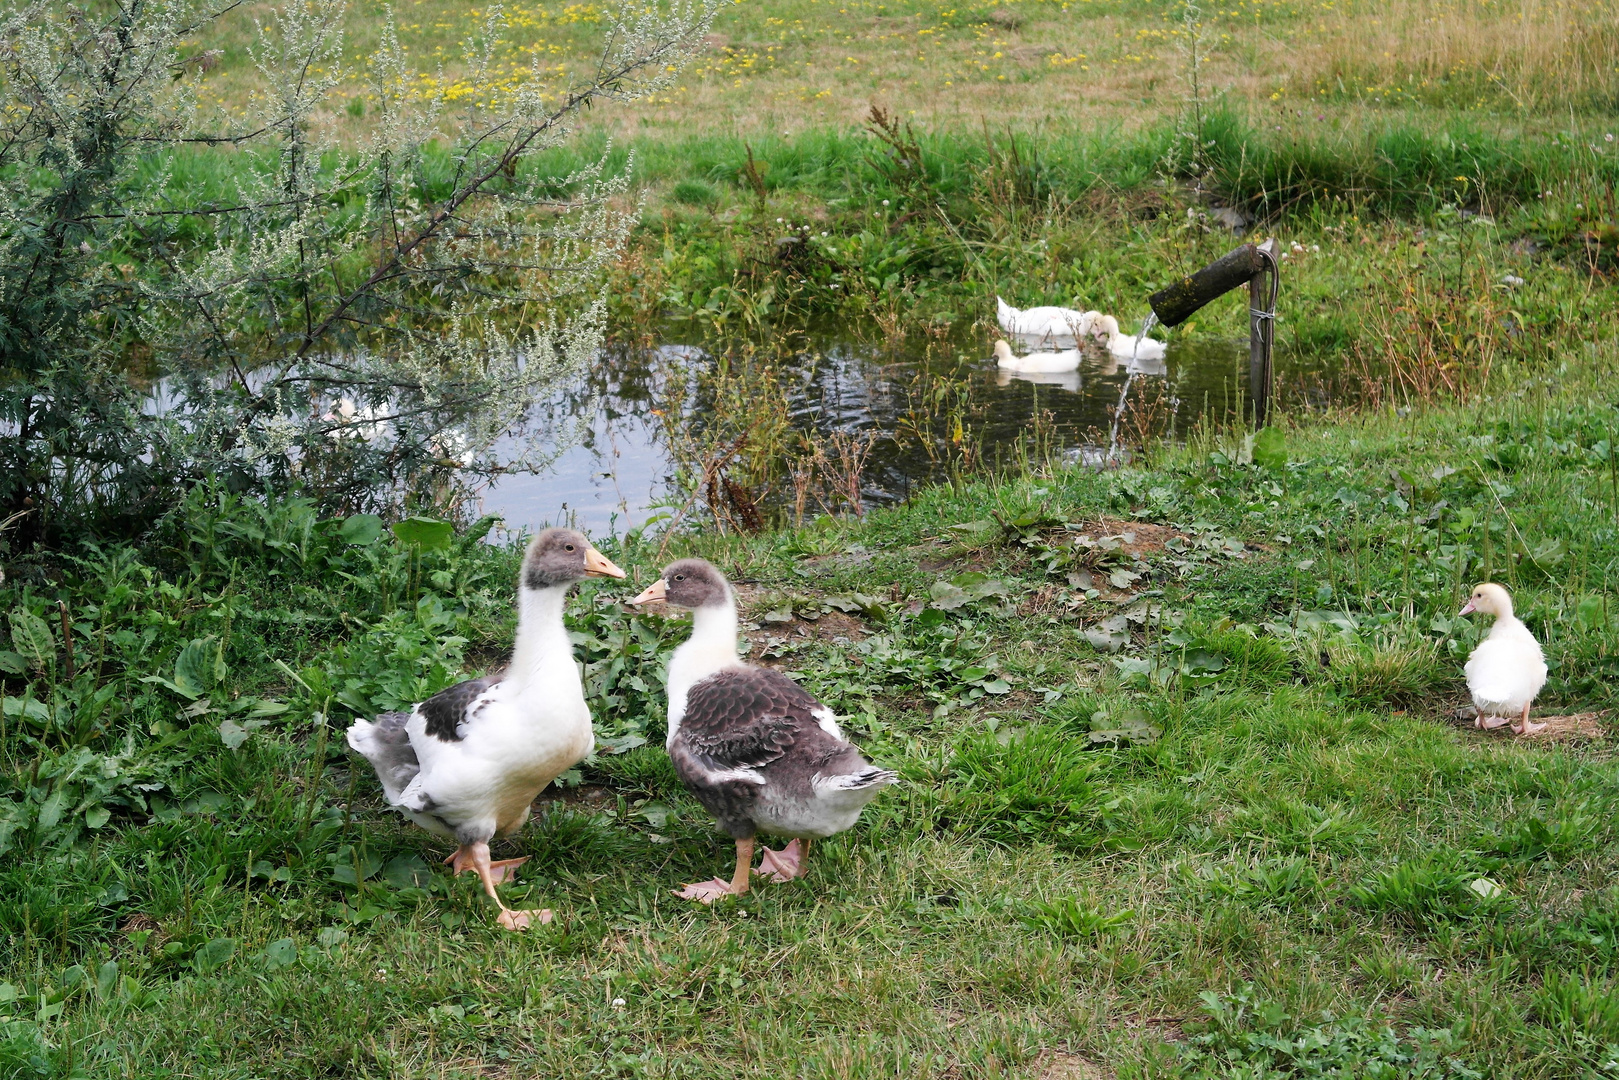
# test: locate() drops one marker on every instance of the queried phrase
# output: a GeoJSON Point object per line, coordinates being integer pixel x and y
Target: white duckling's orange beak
{"type": "Point", "coordinates": [1466, 610]}
{"type": "Point", "coordinates": [599, 565]}
{"type": "Point", "coordinates": [653, 593]}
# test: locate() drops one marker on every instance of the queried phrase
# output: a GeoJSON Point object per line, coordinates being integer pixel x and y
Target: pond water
{"type": "Point", "coordinates": [623, 473]}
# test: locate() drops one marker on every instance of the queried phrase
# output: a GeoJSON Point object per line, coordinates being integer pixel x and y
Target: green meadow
{"type": "Point", "coordinates": [1184, 791]}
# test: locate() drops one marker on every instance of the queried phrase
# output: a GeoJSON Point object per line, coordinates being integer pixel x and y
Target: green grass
{"type": "Point", "coordinates": [1207, 828]}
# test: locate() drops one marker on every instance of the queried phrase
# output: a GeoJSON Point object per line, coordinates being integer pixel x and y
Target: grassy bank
{"type": "Point", "coordinates": [1181, 796]}
{"type": "Point", "coordinates": [795, 64]}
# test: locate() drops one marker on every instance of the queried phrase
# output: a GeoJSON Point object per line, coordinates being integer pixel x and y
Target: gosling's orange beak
{"type": "Point", "coordinates": [653, 593]}
{"type": "Point", "coordinates": [599, 565]}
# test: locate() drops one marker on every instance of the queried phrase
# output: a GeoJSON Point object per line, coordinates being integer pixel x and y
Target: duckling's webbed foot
{"type": "Point", "coordinates": [1524, 727]}
{"type": "Point", "coordinates": [1490, 723]}
{"type": "Point", "coordinates": [786, 864]}
{"type": "Point", "coordinates": [709, 891]}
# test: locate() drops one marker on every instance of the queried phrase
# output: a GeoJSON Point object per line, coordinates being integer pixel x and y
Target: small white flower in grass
{"type": "Point", "coordinates": [885, 201]}
{"type": "Point", "coordinates": [1608, 137]}
{"type": "Point", "coordinates": [618, 1003]}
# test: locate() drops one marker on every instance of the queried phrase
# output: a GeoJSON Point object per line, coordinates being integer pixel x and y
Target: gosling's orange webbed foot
{"type": "Point", "coordinates": [521, 920]}
{"type": "Point", "coordinates": [707, 892]}
{"type": "Point", "coordinates": [506, 869]}
{"type": "Point", "coordinates": [786, 864]}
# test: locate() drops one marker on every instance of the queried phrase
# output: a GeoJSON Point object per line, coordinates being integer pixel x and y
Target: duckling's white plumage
{"type": "Point", "coordinates": [1507, 669]}
{"type": "Point", "coordinates": [1036, 363]}
{"type": "Point", "coordinates": [1128, 346]}
{"type": "Point", "coordinates": [755, 748]}
{"type": "Point", "coordinates": [1060, 326]}
{"type": "Point", "coordinates": [467, 763]}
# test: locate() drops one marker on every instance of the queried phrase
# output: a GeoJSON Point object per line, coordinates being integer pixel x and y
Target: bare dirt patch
{"type": "Point", "coordinates": [1564, 728]}
{"type": "Point", "coordinates": [1060, 1065]}
{"type": "Point", "coordinates": [831, 625]}
{"type": "Point", "coordinates": [1572, 727]}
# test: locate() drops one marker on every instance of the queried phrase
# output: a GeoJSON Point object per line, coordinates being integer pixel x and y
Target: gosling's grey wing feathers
{"type": "Point", "coordinates": [445, 714]}
{"type": "Point", "coordinates": [745, 718]}
{"type": "Point", "coordinates": [385, 742]}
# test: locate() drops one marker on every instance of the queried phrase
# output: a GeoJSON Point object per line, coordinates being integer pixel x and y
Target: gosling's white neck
{"type": "Point", "coordinates": [711, 648]}
{"type": "Point", "coordinates": [542, 637]}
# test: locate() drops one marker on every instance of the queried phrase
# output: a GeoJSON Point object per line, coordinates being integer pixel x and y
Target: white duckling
{"type": "Point", "coordinates": [1507, 669]}
{"type": "Point", "coordinates": [1062, 326]}
{"type": "Point", "coordinates": [1128, 346]}
{"type": "Point", "coordinates": [1037, 362]}
{"type": "Point", "coordinates": [467, 762]}
{"type": "Point", "coordinates": [753, 746]}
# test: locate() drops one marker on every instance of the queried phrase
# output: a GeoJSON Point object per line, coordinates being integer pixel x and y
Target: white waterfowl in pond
{"type": "Point", "coordinates": [1038, 363]}
{"type": "Point", "coordinates": [1060, 326]}
{"type": "Point", "coordinates": [1507, 669]}
{"type": "Point", "coordinates": [1128, 346]}
{"type": "Point", "coordinates": [753, 746]}
{"type": "Point", "coordinates": [467, 762]}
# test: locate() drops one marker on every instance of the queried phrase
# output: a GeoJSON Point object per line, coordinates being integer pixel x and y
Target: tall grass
{"type": "Point", "coordinates": [1532, 56]}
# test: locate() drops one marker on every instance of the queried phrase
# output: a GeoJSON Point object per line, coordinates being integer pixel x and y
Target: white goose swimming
{"type": "Point", "coordinates": [1037, 362]}
{"type": "Point", "coordinates": [1128, 346]}
{"type": "Point", "coordinates": [1507, 669]}
{"type": "Point", "coordinates": [1060, 326]}
{"type": "Point", "coordinates": [753, 746]}
{"type": "Point", "coordinates": [467, 762]}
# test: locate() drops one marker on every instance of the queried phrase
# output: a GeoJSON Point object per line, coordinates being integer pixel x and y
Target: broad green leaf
{"type": "Point", "coordinates": [232, 734]}
{"type": "Point", "coordinates": [406, 872]}
{"type": "Point", "coordinates": [977, 532]}
{"type": "Point", "coordinates": [51, 811]}
{"type": "Point", "coordinates": [198, 667]}
{"type": "Point", "coordinates": [332, 935]}
{"type": "Point", "coordinates": [97, 816]}
{"type": "Point", "coordinates": [1270, 449]}
{"type": "Point", "coordinates": [213, 955]}
{"type": "Point", "coordinates": [280, 953]}
{"type": "Point", "coordinates": [621, 744]}
{"type": "Point", "coordinates": [107, 979]}
{"type": "Point", "coordinates": [424, 533]}
{"type": "Point", "coordinates": [26, 707]}
{"type": "Point", "coordinates": [13, 663]}
{"type": "Point", "coordinates": [31, 636]}
{"type": "Point", "coordinates": [1589, 612]}
{"type": "Point", "coordinates": [360, 529]}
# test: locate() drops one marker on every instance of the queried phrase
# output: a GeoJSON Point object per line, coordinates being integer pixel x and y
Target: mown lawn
{"type": "Point", "coordinates": [1188, 801]}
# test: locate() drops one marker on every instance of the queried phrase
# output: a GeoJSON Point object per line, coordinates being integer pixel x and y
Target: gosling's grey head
{"type": "Point", "coordinates": [559, 557]}
{"type": "Point", "coordinates": [689, 583]}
